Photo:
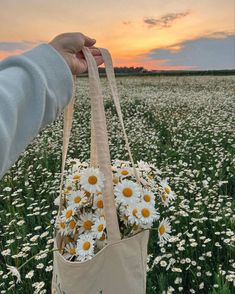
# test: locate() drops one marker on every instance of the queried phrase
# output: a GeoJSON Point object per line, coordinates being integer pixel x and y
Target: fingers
{"type": "Point", "coordinates": [88, 42]}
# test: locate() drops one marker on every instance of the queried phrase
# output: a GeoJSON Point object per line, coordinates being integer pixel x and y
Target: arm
{"type": "Point", "coordinates": [34, 89]}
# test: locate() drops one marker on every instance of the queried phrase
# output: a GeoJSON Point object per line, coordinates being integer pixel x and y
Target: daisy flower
{"type": "Point", "coordinates": [14, 272]}
{"type": "Point", "coordinates": [147, 214]}
{"type": "Point", "coordinates": [85, 222]}
{"type": "Point", "coordinates": [61, 226]}
{"type": "Point", "coordinates": [101, 242]}
{"type": "Point", "coordinates": [148, 196]}
{"type": "Point", "coordinates": [165, 199]}
{"type": "Point", "coordinates": [68, 213]}
{"type": "Point", "coordinates": [143, 166]}
{"type": "Point", "coordinates": [76, 199]}
{"type": "Point", "coordinates": [70, 251]}
{"type": "Point", "coordinates": [98, 227]}
{"type": "Point", "coordinates": [72, 227]}
{"type": "Point", "coordinates": [126, 192]}
{"type": "Point", "coordinates": [167, 189]}
{"type": "Point", "coordinates": [132, 212]}
{"type": "Point", "coordinates": [92, 180]}
{"type": "Point", "coordinates": [164, 229]}
{"type": "Point", "coordinates": [85, 247]}
{"type": "Point", "coordinates": [98, 202]}
{"type": "Point", "coordinates": [124, 172]}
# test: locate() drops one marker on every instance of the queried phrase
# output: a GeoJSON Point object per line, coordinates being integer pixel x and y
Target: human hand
{"type": "Point", "coordinates": [69, 45]}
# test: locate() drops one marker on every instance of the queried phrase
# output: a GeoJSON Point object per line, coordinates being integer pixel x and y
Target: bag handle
{"type": "Point", "coordinates": [113, 86]}
{"type": "Point", "coordinates": [102, 147]}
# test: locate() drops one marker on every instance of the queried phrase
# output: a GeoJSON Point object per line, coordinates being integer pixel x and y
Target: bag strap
{"type": "Point", "coordinates": [113, 86]}
{"type": "Point", "coordinates": [102, 147]}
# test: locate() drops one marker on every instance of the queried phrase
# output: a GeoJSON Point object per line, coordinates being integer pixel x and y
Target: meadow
{"type": "Point", "coordinates": [184, 125]}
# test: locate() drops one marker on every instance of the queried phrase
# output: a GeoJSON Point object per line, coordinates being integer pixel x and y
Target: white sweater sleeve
{"type": "Point", "coordinates": [34, 89]}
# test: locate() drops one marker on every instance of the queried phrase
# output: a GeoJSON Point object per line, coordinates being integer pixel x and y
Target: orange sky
{"type": "Point", "coordinates": [130, 29]}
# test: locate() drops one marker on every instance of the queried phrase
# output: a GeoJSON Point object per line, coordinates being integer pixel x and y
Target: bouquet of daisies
{"type": "Point", "coordinates": [82, 224]}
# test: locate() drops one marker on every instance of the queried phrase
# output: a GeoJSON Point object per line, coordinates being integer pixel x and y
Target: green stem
{"type": "Point", "coordinates": [34, 256]}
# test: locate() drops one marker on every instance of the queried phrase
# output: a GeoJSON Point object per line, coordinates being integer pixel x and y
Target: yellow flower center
{"type": "Point", "coordinates": [77, 199]}
{"type": "Point", "coordinates": [164, 197]}
{"type": "Point", "coordinates": [115, 180]}
{"type": "Point", "coordinates": [86, 245]}
{"type": "Point", "coordinates": [87, 225]}
{"type": "Point", "coordinates": [127, 192]}
{"type": "Point", "coordinates": [162, 230]}
{"type": "Point", "coordinates": [100, 203]}
{"type": "Point", "coordinates": [76, 177]}
{"type": "Point", "coordinates": [88, 194]}
{"type": "Point", "coordinates": [167, 189]}
{"type": "Point", "coordinates": [62, 225]}
{"type": "Point", "coordinates": [68, 213]}
{"type": "Point", "coordinates": [100, 227]}
{"type": "Point", "coordinates": [72, 251]}
{"type": "Point", "coordinates": [72, 224]}
{"type": "Point", "coordinates": [134, 211]}
{"type": "Point", "coordinates": [147, 198]}
{"type": "Point", "coordinates": [145, 212]}
{"type": "Point", "coordinates": [124, 172]}
{"type": "Point", "coordinates": [92, 180]}
{"type": "Point", "coordinates": [69, 188]}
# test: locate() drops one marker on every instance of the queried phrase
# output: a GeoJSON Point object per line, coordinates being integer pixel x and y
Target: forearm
{"type": "Point", "coordinates": [34, 89]}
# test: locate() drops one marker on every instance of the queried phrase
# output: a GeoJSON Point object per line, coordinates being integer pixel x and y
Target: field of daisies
{"type": "Point", "coordinates": [184, 126]}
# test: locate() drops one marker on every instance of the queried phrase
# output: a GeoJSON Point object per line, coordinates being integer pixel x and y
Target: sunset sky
{"type": "Point", "coordinates": [155, 34]}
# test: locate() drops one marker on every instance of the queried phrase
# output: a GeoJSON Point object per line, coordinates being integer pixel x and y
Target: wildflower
{"type": "Point", "coordinates": [14, 271]}
{"type": "Point", "coordinates": [85, 247]}
{"type": "Point", "coordinates": [126, 192]}
{"type": "Point", "coordinates": [164, 229]}
{"type": "Point", "coordinates": [92, 180]}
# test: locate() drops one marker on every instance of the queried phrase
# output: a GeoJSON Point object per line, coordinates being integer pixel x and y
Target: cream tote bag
{"type": "Point", "coordinates": [120, 267]}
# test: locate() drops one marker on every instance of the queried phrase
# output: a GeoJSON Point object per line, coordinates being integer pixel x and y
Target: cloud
{"type": "Point", "coordinates": [202, 53]}
{"type": "Point", "coordinates": [13, 46]}
{"type": "Point", "coordinates": [166, 20]}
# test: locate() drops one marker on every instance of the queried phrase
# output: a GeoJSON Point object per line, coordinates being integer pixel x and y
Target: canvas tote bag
{"type": "Point", "coordinates": [120, 267]}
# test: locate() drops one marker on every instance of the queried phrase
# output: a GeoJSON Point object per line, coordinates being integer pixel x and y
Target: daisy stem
{"type": "Point", "coordinates": [36, 255]}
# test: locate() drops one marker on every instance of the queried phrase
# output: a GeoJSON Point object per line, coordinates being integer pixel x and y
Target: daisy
{"type": "Point", "coordinates": [92, 180]}
{"type": "Point", "coordinates": [124, 172]}
{"type": "Point", "coordinates": [76, 199]}
{"type": "Point", "coordinates": [164, 229]}
{"type": "Point", "coordinates": [61, 226]}
{"type": "Point", "coordinates": [148, 196]}
{"type": "Point", "coordinates": [165, 199]}
{"type": "Point", "coordinates": [167, 189]}
{"type": "Point", "coordinates": [68, 213]}
{"type": "Point", "coordinates": [147, 214]}
{"type": "Point", "coordinates": [143, 166]}
{"type": "Point", "coordinates": [68, 186]}
{"type": "Point", "coordinates": [14, 272]}
{"type": "Point", "coordinates": [126, 192]}
{"type": "Point", "coordinates": [132, 212]}
{"type": "Point", "coordinates": [101, 242]}
{"type": "Point", "coordinates": [98, 227]}
{"type": "Point", "coordinates": [70, 251]}
{"type": "Point", "coordinates": [72, 227]}
{"type": "Point", "coordinates": [85, 247]}
{"type": "Point", "coordinates": [85, 222]}
{"type": "Point", "coordinates": [98, 202]}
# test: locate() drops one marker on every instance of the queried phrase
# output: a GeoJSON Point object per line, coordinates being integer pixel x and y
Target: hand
{"type": "Point", "coordinates": [69, 45]}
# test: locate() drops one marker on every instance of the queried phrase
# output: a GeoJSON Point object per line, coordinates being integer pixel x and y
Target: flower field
{"type": "Point", "coordinates": [183, 125]}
